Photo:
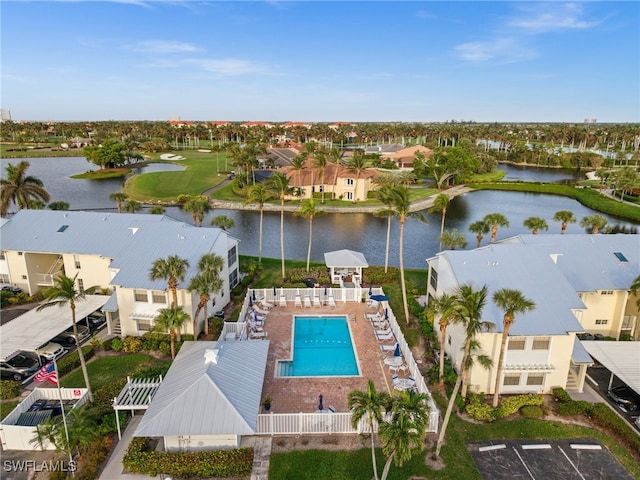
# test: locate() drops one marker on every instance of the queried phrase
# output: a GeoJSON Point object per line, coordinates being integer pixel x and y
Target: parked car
{"type": "Point", "coordinates": [67, 338]}
{"type": "Point", "coordinates": [96, 321]}
{"type": "Point", "coordinates": [19, 367]}
{"type": "Point", "coordinates": [436, 354]}
{"type": "Point", "coordinates": [625, 397]}
{"type": "Point", "coordinates": [11, 288]}
{"type": "Point", "coordinates": [50, 350]}
{"type": "Point", "coordinates": [585, 336]}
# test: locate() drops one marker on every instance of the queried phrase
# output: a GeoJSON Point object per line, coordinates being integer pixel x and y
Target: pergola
{"type": "Point", "coordinates": [345, 266]}
{"type": "Point", "coordinates": [136, 395]}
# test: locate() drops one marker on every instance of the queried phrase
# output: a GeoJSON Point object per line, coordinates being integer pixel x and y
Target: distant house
{"type": "Point", "coordinates": [578, 283]}
{"type": "Point", "coordinates": [257, 124]}
{"type": "Point", "coordinates": [296, 124]}
{"type": "Point", "coordinates": [114, 251]}
{"type": "Point", "coordinates": [404, 158]}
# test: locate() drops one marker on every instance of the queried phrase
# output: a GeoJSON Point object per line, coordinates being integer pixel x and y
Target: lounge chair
{"type": "Point", "coordinates": [265, 304]}
{"type": "Point", "coordinates": [386, 331]}
{"type": "Point", "coordinates": [316, 301]}
{"type": "Point", "coordinates": [260, 311]}
{"type": "Point", "coordinates": [391, 348]}
{"type": "Point", "coordinates": [307, 302]}
{"type": "Point", "coordinates": [258, 335]}
{"type": "Point", "coordinates": [331, 302]}
{"type": "Point", "coordinates": [374, 304]}
{"type": "Point", "coordinates": [383, 338]}
{"type": "Point", "coordinates": [298, 301]}
{"type": "Point", "coordinates": [283, 301]}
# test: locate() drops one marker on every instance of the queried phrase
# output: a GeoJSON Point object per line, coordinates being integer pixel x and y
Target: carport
{"type": "Point", "coordinates": [622, 359]}
{"type": "Point", "coordinates": [34, 328]}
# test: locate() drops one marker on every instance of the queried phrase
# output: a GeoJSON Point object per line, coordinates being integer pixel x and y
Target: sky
{"type": "Point", "coordinates": [320, 61]}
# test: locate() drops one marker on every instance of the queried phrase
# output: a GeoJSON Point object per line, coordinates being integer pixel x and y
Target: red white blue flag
{"type": "Point", "coordinates": [47, 373]}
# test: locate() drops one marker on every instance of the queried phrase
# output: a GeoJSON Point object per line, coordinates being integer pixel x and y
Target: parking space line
{"type": "Point", "coordinates": [577, 446]}
{"type": "Point", "coordinates": [492, 447]}
{"type": "Point", "coordinates": [572, 464]}
{"type": "Point", "coordinates": [525, 465]}
{"type": "Point", "coordinates": [540, 446]}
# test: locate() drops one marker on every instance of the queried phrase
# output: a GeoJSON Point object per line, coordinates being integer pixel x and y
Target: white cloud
{"type": "Point", "coordinates": [546, 17]}
{"type": "Point", "coordinates": [229, 66]}
{"type": "Point", "coordinates": [503, 50]}
{"type": "Point", "coordinates": [163, 46]}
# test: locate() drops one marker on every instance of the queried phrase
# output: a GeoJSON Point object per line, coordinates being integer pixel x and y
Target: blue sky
{"type": "Point", "coordinates": [321, 61]}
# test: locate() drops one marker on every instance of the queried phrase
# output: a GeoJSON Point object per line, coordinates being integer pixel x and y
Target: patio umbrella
{"type": "Point", "coordinates": [370, 291]}
{"type": "Point", "coordinates": [250, 301]}
{"type": "Point", "coordinates": [386, 314]}
{"type": "Point", "coordinates": [320, 406]}
{"type": "Point", "coordinates": [396, 352]}
{"type": "Point", "coordinates": [325, 291]}
{"type": "Point", "coordinates": [379, 298]}
{"type": "Point", "coordinates": [254, 295]}
{"type": "Point", "coordinates": [274, 290]}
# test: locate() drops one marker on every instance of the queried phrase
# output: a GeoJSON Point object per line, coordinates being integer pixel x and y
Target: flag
{"type": "Point", "coordinates": [47, 373]}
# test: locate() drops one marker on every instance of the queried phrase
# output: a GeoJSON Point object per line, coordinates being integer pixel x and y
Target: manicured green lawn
{"type": "Point", "coordinates": [7, 407]}
{"type": "Point", "coordinates": [103, 371]}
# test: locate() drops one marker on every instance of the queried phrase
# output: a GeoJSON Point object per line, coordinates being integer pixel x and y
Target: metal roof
{"type": "Point", "coordinates": [345, 258]}
{"type": "Point", "coordinates": [200, 397]}
{"type": "Point", "coordinates": [580, 354]}
{"type": "Point", "coordinates": [621, 358]}
{"type": "Point", "coordinates": [35, 328]}
{"type": "Point", "coordinates": [528, 269]}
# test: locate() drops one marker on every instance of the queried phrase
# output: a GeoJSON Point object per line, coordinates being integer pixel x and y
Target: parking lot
{"type": "Point", "coordinates": [582, 459]}
{"type": "Point", "coordinates": [601, 377]}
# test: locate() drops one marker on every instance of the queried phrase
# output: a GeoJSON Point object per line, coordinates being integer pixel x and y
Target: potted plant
{"type": "Point", "coordinates": [266, 403]}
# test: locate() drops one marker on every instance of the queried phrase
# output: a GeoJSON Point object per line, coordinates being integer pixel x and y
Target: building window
{"type": "Point", "coordinates": [321, 188]}
{"type": "Point", "coordinates": [349, 195]}
{"type": "Point", "coordinates": [233, 278]}
{"type": "Point", "coordinates": [606, 292]}
{"type": "Point", "coordinates": [350, 182]}
{"type": "Point", "coordinates": [602, 321]}
{"type": "Point", "coordinates": [434, 279]}
{"type": "Point", "coordinates": [159, 297]}
{"type": "Point", "coordinates": [76, 260]}
{"type": "Point", "coordinates": [516, 344]}
{"type": "Point", "coordinates": [232, 256]}
{"type": "Point", "coordinates": [535, 379]}
{"type": "Point", "coordinates": [511, 380]}
{"type": "Point", "coordinates": [80, 285]}
{"type": "Point", "coordinates": [4, 278]}
{"type": "Point", "coordinates": [541, 343]}
{"type": "Point", "coordinates": [20, 253]}
{"type": "Point", "coordinates": [140, 296]}
{"type": "Point", "coordinates": [144, 325]}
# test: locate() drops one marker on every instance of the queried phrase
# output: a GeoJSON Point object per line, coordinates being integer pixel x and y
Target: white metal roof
{"type": "Point", "coordinates": [200, 397]}
{"type": "Point", "coordinates": [345, 258]}
{"type": "Point", "coordinates": [34, 328]}
{"type": "Point", "coordinates": [621, 358]}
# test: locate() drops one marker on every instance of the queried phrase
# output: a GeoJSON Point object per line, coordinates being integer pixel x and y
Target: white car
{"type": "Point", "coordinates": [50, 350]}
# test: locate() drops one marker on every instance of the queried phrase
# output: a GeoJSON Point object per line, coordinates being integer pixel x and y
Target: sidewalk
{"type": "Point", "coordinates": [113, 469]}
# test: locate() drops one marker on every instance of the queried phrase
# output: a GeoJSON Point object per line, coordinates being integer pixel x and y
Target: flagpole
{"type": "Point", "coordinates": [64, 416]}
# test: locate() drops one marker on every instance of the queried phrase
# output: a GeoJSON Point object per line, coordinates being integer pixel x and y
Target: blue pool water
{"type": "Point", "coordinates": [322, 347]}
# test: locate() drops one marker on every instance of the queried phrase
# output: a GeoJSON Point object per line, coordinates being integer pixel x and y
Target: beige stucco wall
{"type": "Point", "coordinates": [603, 307]}
{"type": "Point", "coordinates": [194, 443]}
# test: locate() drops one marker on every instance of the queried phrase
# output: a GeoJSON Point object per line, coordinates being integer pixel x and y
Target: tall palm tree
{"type": "Point", "coordinates": [385, 195]}
{"type": "Point", "coordinates": [210, 265]}
{"type": "Point", "coordinates": [594, 222]}
{"type": "Point", "coordinates": [278, 184]}
{"type": "Point", "coordinates": [635, 286]}
{"type": "Point", "coordinates": [401, 205]}
{"type": "Point", "coordinates": [512, 302]}
{"type": "Point", "coordinates": [320, 161]}
{"type": "Point", "coordinates": [535, 223]}
{"type": "Point", "coordinates": [452, 239]}
{"type": "Point", "coordinates": [440, 204]}
{"type": "Point", "coordinates": [131, 206]}
{"type": "Point", "coordinates": [201, 284]}
{"type": "Point", "coordinates": [357, 165]}
{"type": "Point", "coordinates": [224, 222]}
{"type": "Point", "coordinates": [64, 292]}
{"type": "Point", "coordinates": [58, 205]}
{"type": "Point", "coordinates": [119, 198]}
{"type": "Point", "coordinates": [260, 195]}
{"type": "Point", "coordinates": [198, 206]}
{"type": "Point", "coordinates": [309, 211]}
{"type": "Point", "coordinates": [495, 220]}
{"type": "Point", "coordinates": [172, 269]}
{"type": "Point", "coordinates": [172, 319]}
{"type": "Point", "coordinates": [443, 306]}
{"type": "Point", "coordinates": [368, 405]}
{"type": "Point", "coordinates": [480, 228]}
{"type": "Point", "coordinates": [20, 188]}
{"type": "Point", "coordinates": [566, 217]}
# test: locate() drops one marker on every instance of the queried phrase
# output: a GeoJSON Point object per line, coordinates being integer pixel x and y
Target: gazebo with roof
{"type": "Point", "coordinates": [345, 267]}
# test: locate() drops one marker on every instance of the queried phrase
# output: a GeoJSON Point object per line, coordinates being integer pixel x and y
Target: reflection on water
{"type": "Point", "coordinates": [355, 231]}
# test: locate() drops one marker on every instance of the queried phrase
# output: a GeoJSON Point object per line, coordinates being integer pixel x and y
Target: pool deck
{"type": "Point", "coordinates": [300, 394]}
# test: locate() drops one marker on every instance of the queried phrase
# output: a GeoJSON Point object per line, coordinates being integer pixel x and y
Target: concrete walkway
{"type": "Point", "coordinates": [113, 469]}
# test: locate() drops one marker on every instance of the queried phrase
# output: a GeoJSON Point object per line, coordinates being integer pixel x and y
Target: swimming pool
{"type": "Point", "coordinates": [322, 347]}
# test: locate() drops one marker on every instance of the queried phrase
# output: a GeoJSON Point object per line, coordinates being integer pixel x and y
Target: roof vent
{"type": "Point", "coordinates": [134, 230]}
{"type": "Point", "coordinates": [211, 356]}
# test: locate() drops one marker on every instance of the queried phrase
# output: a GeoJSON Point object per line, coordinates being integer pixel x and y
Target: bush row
{"type": "Point", "coordinates": [150, 341]}
{"type": "Point", "coordinates": [479, 409]}
{"type": "Point", "coordinates": [204, 464]}
{"type": "Point", "coordinates": [9, 389]}
{"type": "Point", "coordinates": [72, 361]}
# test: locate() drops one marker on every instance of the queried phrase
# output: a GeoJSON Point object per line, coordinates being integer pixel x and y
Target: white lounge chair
{"type": "Point", "coordinates": [316, 301]}
{"type": "Point", "coordinates": [258, 335]}
{"type": "Point", "coordinates": [266, 304]}
{"type": "Point", "coordinates": [298, 301]}
{"type": "Point", "coordinates": [283, 301]}
{"type": "Point", "coordinates": [331, 301]}
{"type": "Point", "coordinates": [374, 304]}
{"type": "Point", "coordinates": [307, 302]}
{"type": "Point", "coordinates": [386, 331]}
{"type": "Point", "coordinates": [260, 311]}
{"type": "Point", "coordinates": [390, 348]}
{"type": "Point", "coordinates": [383, 338]}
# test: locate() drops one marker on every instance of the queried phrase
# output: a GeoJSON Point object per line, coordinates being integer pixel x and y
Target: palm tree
{"type": "Point", "coordinates": [198, 206]}
{"type": "Point", "coordinates": [309, 211]}
{"type": "Point", "coordinates": [594, 222]}
{"type": "Point", "coordinates": [58, 205]}
{"type": "Point", "coordinates": [401, 204]}
{"type": "Point", "coordinates": [480, 228]}
{"type": "Point", "coordinates": [320, 161]}
{"type": "Point", "coordinates": [131, 206]}
{"type": "Point", "coordinates": [223, 222]}
{"type": "Point", "coordinates": [635, 286]}
{"type": "Point", "coordinates": [512, 302]}
{"type": "Point", "coordinates": [566, 217]}
{"type": "Point", "coordinates": [20, 188]}
{"type": "Point", "coordinates": [260, 195]}
{"type": "Point", "coordinates": [440, 204]}
{"type": "Point", "coordinates": [278, 184]}
{"type": "Point", "coordinates": [157, 210]}
{"type": "Point", "coordinates": [535, 224]}
{"type": "Point", "coordinates": [495, 220]}
{"type": "Point", "coordinates": [453, 239]}
{"type": "Point", "coordinates": [210, 265]}
{"type": "Point", "coordinates": [357, 164]}
{"type": "Point", "coordinates": [385, 195]}
{"type": "Point", "coordinates": [119, 198]}
{"type": "Point", "coordinates": [171, 320]}
{"type": "Point", "coordinates": [172, 269]}
{"type": "Point", "coordinates": [368, 405]}
{"type": "Point", "coordinates": [64, 292]}
{"type": "Point", "coordinates": [444, 306]}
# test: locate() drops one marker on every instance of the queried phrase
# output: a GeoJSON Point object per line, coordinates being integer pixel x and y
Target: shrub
{"type": "Point", "coordinates": [132, 345]}
{"type": "Point", "coordinates": [116, 344]}
{"type": "Point", "coordinates": [479, 409]}
{"type": "Point", "coordinates": [603, 416]}
{"type": "Point", "coordinates": [106, 345]}
{"type": "Point", "coordinates": [72, 361]}
{"type": "Point", "coordinates": [9, 389]}
{"type": "Point", "coordinates": [574, 407]}
{"type": "Point", "coordinates": [560, 394]}
{"type": "Point", "coordinates": [165, 347]}
{"type": "Point", "coordinates": [92, 457]}
{"type": "Point", "coordinates": [531, 411]}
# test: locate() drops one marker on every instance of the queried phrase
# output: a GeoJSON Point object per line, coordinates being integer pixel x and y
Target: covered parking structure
{"type": "Point", "coordinates": [622, 359]}
{"type": "Point", "coordinates": [37, 327]}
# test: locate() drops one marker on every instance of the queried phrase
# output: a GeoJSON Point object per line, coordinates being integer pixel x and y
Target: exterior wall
{"type": "Point", "coordinates": [17, 269]}
{"type": "Point", "coordinates": [603, 307]}
{"type": "Point", "coordinates": [194, 443]}
{"type": "Point", "coordinates": [93, 271]}
{"type": "Point", "coordinates": [632, 312]}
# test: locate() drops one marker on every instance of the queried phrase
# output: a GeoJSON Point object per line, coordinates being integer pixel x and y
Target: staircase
{"type": "Point", "coordinates": [116, 329]}
{"type": "Point", "coordinates": [572, 382]}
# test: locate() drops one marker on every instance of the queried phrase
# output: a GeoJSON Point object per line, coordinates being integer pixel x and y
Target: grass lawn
{"type": "Point", "coordinates": [104, 370]}
{"type": "Point", "coordinates": [7, 407]}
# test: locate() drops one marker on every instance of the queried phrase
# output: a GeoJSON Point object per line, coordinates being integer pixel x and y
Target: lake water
{"type": "Point", "coordinates": [355, 231]}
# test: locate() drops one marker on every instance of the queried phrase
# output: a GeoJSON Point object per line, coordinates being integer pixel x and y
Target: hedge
{"type": "Point", "coordinates": [481, 410]}
{"type": "Point", "coordinates": [204, 464]}
{"type": "Point", "coordinates": [72, 361]}
{"type": "Point", "coordinates": [9, 389]}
